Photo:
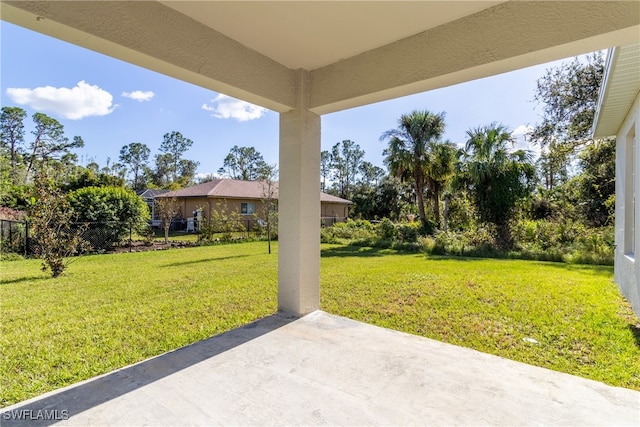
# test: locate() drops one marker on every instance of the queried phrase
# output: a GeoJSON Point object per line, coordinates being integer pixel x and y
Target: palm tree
{"type": "Point", "coordinates": [496, 176]}
{"type": "Point", "coordinates": [410, 155]}
{"type": "Point", "coordinates": [440, 169]}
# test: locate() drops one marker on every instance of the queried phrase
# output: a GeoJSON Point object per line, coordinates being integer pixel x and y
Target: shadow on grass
{"type": "Point", "coordinates": [200, 261]}
{"type": "Point", "coordinates": [354, 251]}
{"type": "Point", "coordinates": [635, 331]}
{"type": "Point", "coordinates": [84, 396]}
{"type": "Point", "coordinates": [23, 279]}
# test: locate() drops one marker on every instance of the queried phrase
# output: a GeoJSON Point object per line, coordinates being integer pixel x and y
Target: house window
{"type": "Point", "coordinates": [630, 194]}
{"type": "Point", "coordinates": [247, 208]}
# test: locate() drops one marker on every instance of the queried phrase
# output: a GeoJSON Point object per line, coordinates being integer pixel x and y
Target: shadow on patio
{"type": "Point", "coordinates": [326, 369]}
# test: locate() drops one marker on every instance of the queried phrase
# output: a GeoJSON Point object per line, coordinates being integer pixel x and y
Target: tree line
{"type": "Point", "coordinates": [447, 186]}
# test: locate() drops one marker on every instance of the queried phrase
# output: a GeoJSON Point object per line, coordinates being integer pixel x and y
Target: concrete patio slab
{"type": "Point", "coordinates": [328, 370]}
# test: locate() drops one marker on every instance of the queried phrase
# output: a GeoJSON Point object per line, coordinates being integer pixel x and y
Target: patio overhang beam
{"type": "Point", "coordinates": [502, 38]}
{"type": "Point", "coordinates": [154, 36]}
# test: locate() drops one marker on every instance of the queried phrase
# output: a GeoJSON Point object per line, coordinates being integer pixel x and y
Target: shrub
{"type": "Point", "coordinates": [221, 226]}
{"type": "Point", "coordinates": [51, 217]}
{"type": "Point", "coordinates": [110, 213]}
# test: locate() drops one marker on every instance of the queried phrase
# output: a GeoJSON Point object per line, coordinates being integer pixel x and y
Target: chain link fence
{"type": "Point", "coordinates": [17, 236]}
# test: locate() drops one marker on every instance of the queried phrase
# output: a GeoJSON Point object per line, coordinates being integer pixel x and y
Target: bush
{"type": "Point", "coordinates": [348, 230]}
{"type": "Point", "coordinates": [110, 213]}
{"type": "Point", "coordinates": [222, 226]}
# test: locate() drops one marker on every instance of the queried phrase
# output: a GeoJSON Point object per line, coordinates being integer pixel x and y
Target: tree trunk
{"type": "Point", "coordinates": [166, 234]}
{"type": "Point", "coordinates": [420, 199]}
{"type": "Point", "coordinates": [436, 206]}
{"type": "Point", "coordinates": [505, 240]}
{"type": "Point", "coordinates": [445, 214]}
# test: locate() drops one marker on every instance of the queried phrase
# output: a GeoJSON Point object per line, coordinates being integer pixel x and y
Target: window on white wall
{"type": "Point", "coordinates": [631, 193]}
{"type": "Point", "coordinates": [247, 208]}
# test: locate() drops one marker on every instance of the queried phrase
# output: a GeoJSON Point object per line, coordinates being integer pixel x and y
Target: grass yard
{"type": "Point", "coordinates": [576, 314]}
{"type": "Point", "coordinates": [108, 311]}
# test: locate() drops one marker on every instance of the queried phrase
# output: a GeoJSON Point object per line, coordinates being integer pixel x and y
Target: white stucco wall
{"type": "Point", "coordinates": [627, 255]}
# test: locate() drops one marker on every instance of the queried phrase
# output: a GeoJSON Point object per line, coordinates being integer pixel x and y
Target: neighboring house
{"type": "Point", "coordinates": [148, 196]}
{"type": "Point", "coordinates": [618, 115]}
{"type": "Point", "coordinates": [246, 198]}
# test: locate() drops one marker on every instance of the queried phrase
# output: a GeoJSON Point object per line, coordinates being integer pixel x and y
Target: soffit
{"type": "Point", "coordinates": [355, 52]}
{"type": "Point", "coordinates": [312, 34]}
{"type": "Point", "coordinates": [620, 89]}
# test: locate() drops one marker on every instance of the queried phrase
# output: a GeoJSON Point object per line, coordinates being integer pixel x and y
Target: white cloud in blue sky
{"type": "Point", "coordinates": [82, 100]}
{"type": "Point", "coordinates": [522, 142]}
{"type": "Point", "coordinates": [139, 95]}
{"type": "Point", "coordinates": [226, 107]}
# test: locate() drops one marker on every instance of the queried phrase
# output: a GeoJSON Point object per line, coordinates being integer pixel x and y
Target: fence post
{"type": "Point", "coordinates": [26, 238]}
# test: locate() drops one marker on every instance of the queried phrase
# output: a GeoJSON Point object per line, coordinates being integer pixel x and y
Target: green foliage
{"type": "Point", "coordinates": [244, 163]}
{"type": "Point", "coordinates": [348, 230]}
{"type": "Point", "coordinates": [411, 155]}
{"type": "Point", "coordinates": [568, 94]}
{"type": "Point", "coordinates": [166, 209]}
{"type": "Point", "coordinates": [222, 225]}
{"type": "Point", "coordinates": [86, 177]}
{"type": "Point", "coordinates": [12, 138]}
{"type": "Point", "coordinates": [497, 178]}
{"type": "Point", "coordinates": [51, 217]}
{"type": "Point", "coordinates": [596, 182]}
{"type": "Point", "coordinates": [345, 160]}
{"type": "Point", "coordinates": [135, 156]}
{"type": "Point", "coordinates": [110, 211]}
{"type": "Point", "coordinates": [568, 241]}
{"type": "Point", "coordinates": [172, 171]}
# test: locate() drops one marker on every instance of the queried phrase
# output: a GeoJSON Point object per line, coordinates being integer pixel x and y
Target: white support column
{"type": "Point", "coordinates": [299, 205]}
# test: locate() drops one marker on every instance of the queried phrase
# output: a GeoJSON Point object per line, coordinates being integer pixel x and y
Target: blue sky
{"type": "Point", "coordinates": [110, 103]}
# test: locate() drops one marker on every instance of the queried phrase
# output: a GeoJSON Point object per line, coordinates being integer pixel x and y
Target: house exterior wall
{"type": "Point", "coordinates": [189, 204]}
{"type": "Point", "coordinates": [627, 234]}
{"type": "Point", "coordinates": [336, 211]}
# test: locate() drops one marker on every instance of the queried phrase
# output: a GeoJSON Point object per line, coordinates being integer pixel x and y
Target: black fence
{"type": "Point", "coordinates": [18, 236]}
{"type": "Point", "coordinates": [14, 237]}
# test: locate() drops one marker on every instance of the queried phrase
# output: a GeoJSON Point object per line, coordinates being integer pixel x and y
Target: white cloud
{"type": "Point", "coordinates": [225, 107]}
{"type": "Point", "coordinates": [522, 142]}
{"type": "Point", "coordinates": [74, 103]}
{"type": "Point", "coordinates": [139, 95]}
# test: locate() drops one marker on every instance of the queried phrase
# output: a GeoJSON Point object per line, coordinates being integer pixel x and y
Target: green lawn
{"type": "Point", "coordinates": [108, 311]}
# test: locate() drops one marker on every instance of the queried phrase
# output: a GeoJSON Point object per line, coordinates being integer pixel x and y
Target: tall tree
{"type": "Point", "coordinates": [12, 136]}
{"type": "Point", "coordinates": [497, 177]}
{"type": "Point", "coordinates": [346, 159]}
{"type": "Point", "coordinates": [409, 155]}
{"type": "Point", "coordinates": [244, 163]}
{"type": "Point", "coordinates": [440, 169]}
{"type": "Point", "coordinates": [49, 142]}
{"type": "Point", "coordinates": [173, 146]}
{"type": "Point", "coordinates": [568, 95]}
{"type": "Point", "coordinates": [135, 156]}
{"type": "Point", "coordinates": [325, 169]}
{"type": "Point", "coordinates": [596, 182]}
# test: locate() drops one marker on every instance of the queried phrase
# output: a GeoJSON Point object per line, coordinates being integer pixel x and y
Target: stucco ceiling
{"type": "Point", "coordinates": [312, 34]}
{"type": "Point", "coordinates": [354, 52]}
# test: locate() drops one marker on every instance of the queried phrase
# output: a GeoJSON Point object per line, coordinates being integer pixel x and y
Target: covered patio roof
{"type": "Point", "coordinates": [308, 58]}
{"type": "Point", "coordinates": [357, 52]}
